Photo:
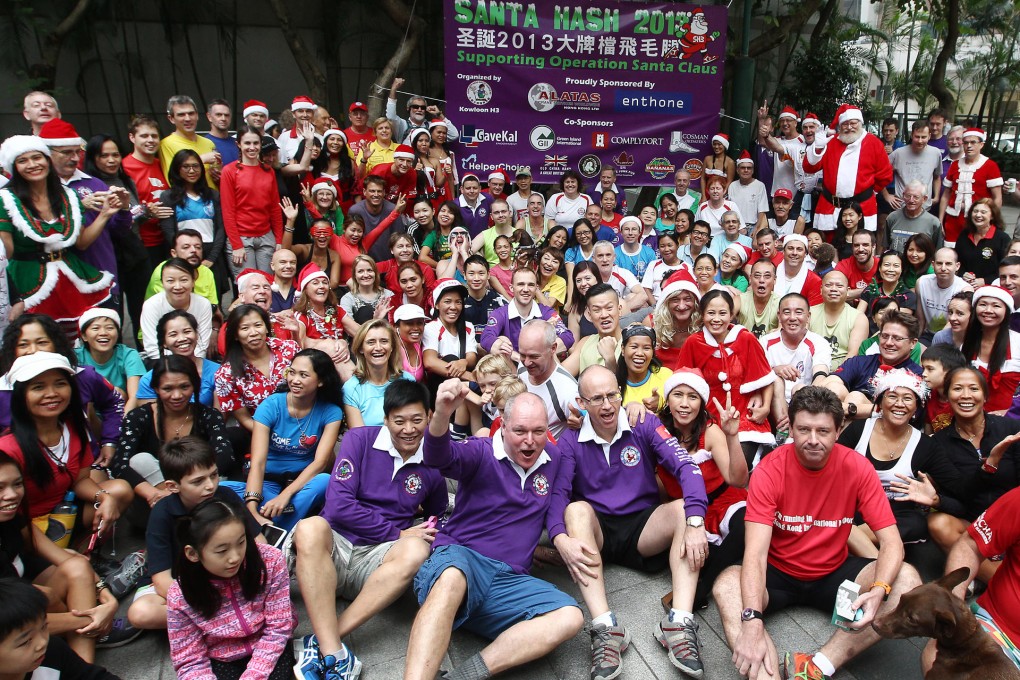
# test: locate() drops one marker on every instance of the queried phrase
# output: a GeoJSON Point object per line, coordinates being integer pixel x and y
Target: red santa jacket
{"type": "Point", "coordinates": [848, 170]}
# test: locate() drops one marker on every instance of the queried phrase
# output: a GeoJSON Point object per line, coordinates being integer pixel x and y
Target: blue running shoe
{"type": "Point", "coordinates": [345, 669]}
{"type": "Point", "coordinates": [309, 665]}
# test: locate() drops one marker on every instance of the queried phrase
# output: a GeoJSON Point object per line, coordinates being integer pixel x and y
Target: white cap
{"type": "Point", "coordinates": [409, 313]}
{"type": "Point", "coordinates": [444, 285]}
{"type": "Point", "coordinates": [97, 313]}
{"type": "Point", "coordinates": [29, 366]}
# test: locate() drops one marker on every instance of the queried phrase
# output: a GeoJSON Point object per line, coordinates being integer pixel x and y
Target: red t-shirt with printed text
{"type": "Point", "coordinates": [811, 512]}
{"type": "Point", "coordinates": [997, 532]}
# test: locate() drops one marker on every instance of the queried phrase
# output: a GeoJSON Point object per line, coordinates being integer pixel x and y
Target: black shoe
{"type": "Point", "coordinates": [121, 634]}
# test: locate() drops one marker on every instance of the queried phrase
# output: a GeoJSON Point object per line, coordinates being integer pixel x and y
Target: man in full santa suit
{"type": "Point", "coordinates": [971, 178]}
{"type": "Point", "coordinates": [854, 168]}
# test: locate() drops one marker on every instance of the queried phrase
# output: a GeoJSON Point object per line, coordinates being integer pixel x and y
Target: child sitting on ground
{"type": "Point", "coordinates": [937, 361]}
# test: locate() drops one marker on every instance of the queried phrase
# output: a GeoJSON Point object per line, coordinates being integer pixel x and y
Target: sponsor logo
{"type": "Point", "coordinates": [624, 160]}
{"type": "Point", "coordinates": [694, 168]}
{"type": "Point", "coordinates": [987, 253]}
{"type": "Point", "coordinates": [471, 137]}
{"type": "Point", "coordinates": [557, 161]}
{"type": "Point", "coordinates": [344, 470]}
{"type": "Point", "coordinates": [543, 97]}
{"type": "Point", "coordinates": [479, 92]}
{"type": "Point", "coordinates": [652, 102]}
{"type": "Point", "coordinates": [589, 166]}
{"type": "Point", "coordinates": [542, 138]}
{"type": "Point", "coordinates": [680, 143]}
{"type": "Point", "coordinates": [630, 456]}
{"type": "Point", "coordinates": [412, 485]}
{"type": "Point", "coordinates": [660, 168]}
{"type": "Point", "coordinates": [540, 484]}
{"type": "Point", "coordinates": [600, 140]}
{"type": "Point", "coordinates": [637, 141]}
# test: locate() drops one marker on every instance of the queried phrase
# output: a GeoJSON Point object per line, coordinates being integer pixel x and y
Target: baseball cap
{"type": "Point", "coordinates": [409, 313]}
{"type": "Point", "coordinates": [358, 106]}
{"type": "Point", "coordinates": [783, 193]}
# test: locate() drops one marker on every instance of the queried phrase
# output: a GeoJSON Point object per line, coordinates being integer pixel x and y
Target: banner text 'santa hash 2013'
{"type": "Point", "coordinates": [550, 87]}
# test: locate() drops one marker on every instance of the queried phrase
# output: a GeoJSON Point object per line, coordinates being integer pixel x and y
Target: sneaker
{"type": "Point", "coordinates": [608, 643]}
{"type": "Point", "coordinates": [801, 666]}
{"type": "Point", "coordinates": [103, 565]}
{"type": "Point", "coordinates": [125, 578]}
{"type": "Point", "coordinates": [342, 669]}
{"type": "Point", "coordinates": [309, 663]}
{"type": "Point", "coordinates": [680, 638]}
{"type": "Point", "coordinates": [121, 634]}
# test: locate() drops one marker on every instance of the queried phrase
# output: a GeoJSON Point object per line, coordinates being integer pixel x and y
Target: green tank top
{"type": "Point", "coordinates": [590, 356]}
{"type": "Point", "coordinates": [838, 334]}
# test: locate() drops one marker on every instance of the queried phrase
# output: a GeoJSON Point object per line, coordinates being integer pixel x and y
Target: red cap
{"type": "Point", "coordinates": [358, 106]}
{"type": "Point", "coordinates": [783, 193]}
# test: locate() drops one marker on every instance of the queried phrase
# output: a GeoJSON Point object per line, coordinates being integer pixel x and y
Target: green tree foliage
{"type": "Point", "coordinates": [825, 76]}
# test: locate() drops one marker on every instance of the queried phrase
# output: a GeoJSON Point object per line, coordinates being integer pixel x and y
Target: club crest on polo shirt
{"type": "Point", "coordinates": [540, 484]}
{"type": "Point", "coordinates": [630, 456]}
{"type": "Point", "coordinates": [412, 485]}
{"type": "Point", "coordinates": [344, 470]}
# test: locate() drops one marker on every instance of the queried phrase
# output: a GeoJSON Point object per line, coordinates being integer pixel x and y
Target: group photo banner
{"type": "Point", "coordinates": [550, 87]}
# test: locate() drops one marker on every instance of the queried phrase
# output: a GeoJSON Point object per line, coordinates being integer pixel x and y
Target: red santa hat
{"type": "Point", "coordinates": [248, 275]}
{"type": "Point", "coordinates": [723, 139]}
{"type": "Point", "coordinates": [969, 132]}
{"type": "Point", "coordinates": [58, 132]}
{"type": "Point", "coordinates": [789, 112]}
{"type": "Point", "coordinates": [996, 293]}
{"type": "Point", "coordinates": [254, 106]}
{"type": "Point", "coordinates": [18, 145]}
{"type": "Point", "coordinates": [811, 118]}
{"type": "Point", "coordinates": [844, 113]}
{"type": "Point", "coordinates": [698, 11]}
{"type": "Point", "coordinates": [741, 251]}
{"type": "Point", "coordinates": [498, 173]}
{"type": "Point", "coordinates": [405, 152]}
{"type": "Point", "coordinates": [691, 377]}
{"type": "Point", "coordinates": [310, 272]}
{"type": "Point", "coordinates": [302, 103]}
{"type": "Point", "coordinates": [324, 184]}
{"type": "Point", "coordinates": [333, 132]}
{"type": "Point", "coordinates": [745, 158]}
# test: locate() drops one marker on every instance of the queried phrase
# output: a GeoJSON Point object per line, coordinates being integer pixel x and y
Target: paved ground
{"type": "Point", "coordinates": [382, 643]}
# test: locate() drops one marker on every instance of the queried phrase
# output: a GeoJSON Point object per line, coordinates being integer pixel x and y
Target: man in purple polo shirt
{"type": "Point", "coordinates": [478, 576]}
{"type": "Point", "coordinates": [609, 472]}
{"type": "Point", "coordinates": [503, 330]}
{"type": "Point", "coordinates": [474, 205]}
{"type": "Point", "coordinates": [363, 545]}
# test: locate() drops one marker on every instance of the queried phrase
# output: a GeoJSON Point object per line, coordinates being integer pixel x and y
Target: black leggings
{"type": "Point", "coordinates": [720, 557]}
{"type": "Point", "coordinates": [233, 670]}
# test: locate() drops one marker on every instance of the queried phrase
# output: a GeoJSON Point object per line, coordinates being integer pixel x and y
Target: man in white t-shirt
{"type": "Point", "coordinates": [545, 378]}
{"type": "Point", "coordinates": [935, 290]}
{"type": "Point", "coordinates": [518, 200]}
{"type": "Point", "coordinates": [786, 149]}
{"type": "Point", "coordinates": [797, 355]}
{"type": "Point", "coordinates": [916, 161]}
{"type": "Point", "coordinates": [622, 280]}
{"type": "Point", "coordinates": [750, 195]}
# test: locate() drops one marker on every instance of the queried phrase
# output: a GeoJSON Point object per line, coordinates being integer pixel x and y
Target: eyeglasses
{"type": "Point", "coordinates": [700, 234]}
{"type": "Point", "coordinates": [906, 400]}
{"type": "Point", "coordinates": [416, 106]}
{"type": "Point", "coordinates": [599, 399]}
{"type": "Point", "coordinates": [898, 339]}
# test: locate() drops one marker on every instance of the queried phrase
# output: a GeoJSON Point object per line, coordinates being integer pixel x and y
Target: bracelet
{"type": "Point", "coordinates": [101, 585]}
{"type": "Point", "coordinates": [818, 374]}
{"type": "Point", "coordinates": [884, 586]}
{"type": "Point", "coordinates": [289, 231]}
{"type": "Point", "coordinates": [95, 499]}
{"type": "Point", "coordinates": [252, 496]}
{"type": "Point", "coordinates": [989, 468]}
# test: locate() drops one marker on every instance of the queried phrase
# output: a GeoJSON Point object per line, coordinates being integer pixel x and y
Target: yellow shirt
{"type": "Point", "coordinates": [380, 156]}
{"type": "Point", "coordinates": [656, 381]}
{"type": "Point", "coordinates": [556, 288]}
{"type": "Point", "coordinates": [171, 144]}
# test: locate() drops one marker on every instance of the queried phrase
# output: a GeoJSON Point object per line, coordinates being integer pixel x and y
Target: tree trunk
{"type": "Point", "coordinates": [306, 61]}
{"type": "Point", "coordinates": [824, 15]}
{"type": "Point", "coordinates": [400, 15]}
{"type": "Point", "coordinates": [45, 70]}
{"type": "Point", "coordinates": [937, 84]}
{"type": "Point", "coordinates": [791, 23]}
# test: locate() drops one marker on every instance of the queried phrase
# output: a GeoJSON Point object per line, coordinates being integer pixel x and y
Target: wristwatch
{"type": "Point", "coordinates": [751, 614]}
{"type": "Point", "coordinates": [695, 521]}
{"type": "Point", "coordinates": [851, 410]}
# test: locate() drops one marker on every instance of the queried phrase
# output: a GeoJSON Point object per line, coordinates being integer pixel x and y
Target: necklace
{"type": "Point", "coordinates": [978, 432]}
{"type": "Point", "coordinates": [177, 432]}
{"type": "Point", "coordinates": [894, 452]}
{"type": "Point", "coordinates": [58, 453]}
{"type": "Point", "coordinates": [302, 423]}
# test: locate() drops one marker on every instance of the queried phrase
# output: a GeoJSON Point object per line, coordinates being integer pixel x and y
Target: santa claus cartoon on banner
{"type": "Point", "coordinates": [854, 168]}
{"type": "Point", "coordinates": [694, 38]}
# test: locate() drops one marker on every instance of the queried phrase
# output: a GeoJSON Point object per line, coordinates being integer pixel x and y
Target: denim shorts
{"type": "Point", "coordinates": [497, 597]}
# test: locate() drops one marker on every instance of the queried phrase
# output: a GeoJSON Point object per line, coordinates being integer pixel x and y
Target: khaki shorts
{"type": "Point", "coordinates": [353, 564]}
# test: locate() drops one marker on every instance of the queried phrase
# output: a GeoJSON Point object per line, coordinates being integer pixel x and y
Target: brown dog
{"type": "Point", "coordinates": [965, 651]}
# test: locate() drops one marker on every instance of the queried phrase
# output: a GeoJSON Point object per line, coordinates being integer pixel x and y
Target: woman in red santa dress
{"type": "Point", "coordinates": [735, 367]}
{"type": "Point", "coordinates": [854, 168]}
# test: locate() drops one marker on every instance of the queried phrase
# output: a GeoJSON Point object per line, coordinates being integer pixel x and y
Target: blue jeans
{"type": "Point", "coordinates": [305, 501]}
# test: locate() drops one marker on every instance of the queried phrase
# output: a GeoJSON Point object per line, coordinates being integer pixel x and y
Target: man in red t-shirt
{"type": "Point", "coordinates": [400, 177]}
{"type": "Point", "coordinates": [801, 505]}
{"type": "Point", "coordinates": [765, 247]}
{"type": "Point", "coordinates": [143, 167]}
{"type": "Point", "coordinates": [995, 532]}
{"type": "Point", "coordinates": [860, 269]}
{"type": "Point", "coordinates": [359, 133]}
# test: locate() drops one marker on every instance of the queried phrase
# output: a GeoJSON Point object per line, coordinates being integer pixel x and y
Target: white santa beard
{"type": "Point", "coordinates": [849, 138]}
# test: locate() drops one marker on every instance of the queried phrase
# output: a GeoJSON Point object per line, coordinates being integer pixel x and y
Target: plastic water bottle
{"type": "Point", "coordinates": [62, 520]}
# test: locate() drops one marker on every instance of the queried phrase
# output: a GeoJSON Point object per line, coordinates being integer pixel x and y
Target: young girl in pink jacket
{"type": "Point", "coordinates": [228, 612]}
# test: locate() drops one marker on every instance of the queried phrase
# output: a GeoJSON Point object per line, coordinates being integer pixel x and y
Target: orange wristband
{"type": "Point", "coordinates": [884, 586]}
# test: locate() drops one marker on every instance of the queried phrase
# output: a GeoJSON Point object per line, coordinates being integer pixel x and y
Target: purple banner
{"type": "Point", "coordinates": [549, 86]}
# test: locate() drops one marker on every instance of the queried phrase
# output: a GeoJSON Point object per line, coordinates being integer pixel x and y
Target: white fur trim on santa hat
{"type": "Point", "coordinates": [302, 103]}
{"type": "Point", "coordinates": [97, 313]}
{"type": "Point", "coordinates": [631, 218]}
{"type": "Point", "coordinates": [324, 183]}
{"type": "Point", "coordinates": [674, 288]}
{"type": "Point", "coordinates": [740, 249]}
{"type": "Point", "coordinates": [722, 139]}
{"type": "Point", "coordinates": [254, 106]}
{"type": "Point", "coordinates": [334, 133]}
{"type": "Point", "coordinates": [851, 113]}
{"type": "Point", "coordinates": [311, 276]}
{"type": "Point", "coordinates": [800, 238]}
{"type": "Point", "coordinates": [16, 146]}
{"type": "Point", "coordinates": [890, 378]}
{"type": "Point", "coordinates": [975, 132]}
{"type": "Point", "coordinates": [996, 293]}
{"type": "Point", "coordinates": [496, 174]}
{"type": "Point", "coordinates": [405, 152]}
{"type": "Point", "coordinates": [692, 380]}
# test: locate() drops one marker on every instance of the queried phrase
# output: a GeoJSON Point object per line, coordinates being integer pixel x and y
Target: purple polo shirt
{"type": "Point", "coordinates": [502, 324]}
{"type": "Point", "coordinates": [371, 496]}
{"type": "Point", "coordinates": [100, 254]}
{"type": "Point", "coordinates": [476, 220]}
{"type": "Point", "coordinates": [500, 509]}
{"type": "Point", "coordinates": [622, 481]}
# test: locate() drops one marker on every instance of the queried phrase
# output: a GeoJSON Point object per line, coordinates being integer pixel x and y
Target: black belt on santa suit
{"type": "Point", "coordinates": [838, 202]}
{"type": "Point", "coordinates": [39, 256]}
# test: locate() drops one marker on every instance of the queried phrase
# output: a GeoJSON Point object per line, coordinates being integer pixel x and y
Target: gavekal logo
{"type": "Point", "coordinates": [472, 136]}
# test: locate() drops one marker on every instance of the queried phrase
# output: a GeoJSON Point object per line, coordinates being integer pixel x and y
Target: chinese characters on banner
{"type": "Point", "coordinates": [549, 86]}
